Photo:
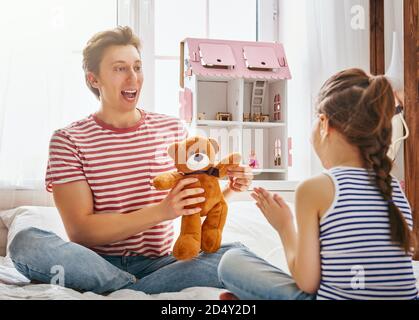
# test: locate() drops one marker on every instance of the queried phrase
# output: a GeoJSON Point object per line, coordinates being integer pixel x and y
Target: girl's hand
{"type": "Point", "coordinates": [274, 208]}
{"type": "Point", "coordinates": [173, 206]}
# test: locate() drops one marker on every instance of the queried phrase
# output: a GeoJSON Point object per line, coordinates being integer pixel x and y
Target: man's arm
{"type": "Point", "coordinates": [74, 201]}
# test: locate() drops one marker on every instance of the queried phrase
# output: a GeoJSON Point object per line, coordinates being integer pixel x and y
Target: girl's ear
{"type": "Point", "coordinates": [324, 126]}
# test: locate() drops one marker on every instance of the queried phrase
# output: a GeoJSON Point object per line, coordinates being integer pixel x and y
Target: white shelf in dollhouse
{"type": "Point", "coordinates": [240, 92]}
{"type": "Point", "coordinates": [245, 124]}
{"type": "Point", "coordinates": [217, 123]}
{"type": "Point", "coordinates": [263, 124]}
{"type": "Point", "coordinates": [269, 170]}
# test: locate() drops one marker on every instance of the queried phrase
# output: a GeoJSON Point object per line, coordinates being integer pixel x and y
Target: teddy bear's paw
{"type": "Point", "coordinates": [186, 247]}
{"type": "Point", "coordinates": [211, 240]}
{"type": "Point", "coordinates": [160, 182]}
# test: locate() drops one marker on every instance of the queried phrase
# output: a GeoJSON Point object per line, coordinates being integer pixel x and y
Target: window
{"type": "Point", "coordinates": [42, 86]}
{"type": "Point", "coordinates": [192, 18]}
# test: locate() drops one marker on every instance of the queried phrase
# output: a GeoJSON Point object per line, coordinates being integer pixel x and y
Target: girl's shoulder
{"type": "Point", "coordinates": [317, 185]}
{"type": "Point", "coordinates": [318, 190]}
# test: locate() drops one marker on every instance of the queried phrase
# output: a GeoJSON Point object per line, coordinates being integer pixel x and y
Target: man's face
{"type": "Point", "coordinates": [120, 77]}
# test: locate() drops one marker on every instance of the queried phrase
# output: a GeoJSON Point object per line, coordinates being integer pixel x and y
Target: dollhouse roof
{"type": "Point", "coordinates": [237, 59]}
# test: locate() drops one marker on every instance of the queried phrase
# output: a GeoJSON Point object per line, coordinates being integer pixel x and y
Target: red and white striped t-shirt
{"type": "Point", "coordinates": [119, 165]}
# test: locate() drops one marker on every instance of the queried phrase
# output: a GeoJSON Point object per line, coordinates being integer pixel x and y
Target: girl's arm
{"type": "Point", "coordinates": [302, 247]}
{"type": "Point", "coordinates": [304, 255]}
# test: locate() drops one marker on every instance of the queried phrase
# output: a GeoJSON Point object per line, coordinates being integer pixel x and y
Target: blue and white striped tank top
{"type": "Point", "coordinates": [358, 259]}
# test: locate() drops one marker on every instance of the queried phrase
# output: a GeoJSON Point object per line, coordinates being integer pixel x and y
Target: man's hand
{"type": "Point", "coordinates": [173, 206]}
{"type": "Point", "coordinates": [240, 178]}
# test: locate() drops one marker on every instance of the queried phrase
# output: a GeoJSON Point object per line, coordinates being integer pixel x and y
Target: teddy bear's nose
{"type": "Point", "coordinates": [198, 157]}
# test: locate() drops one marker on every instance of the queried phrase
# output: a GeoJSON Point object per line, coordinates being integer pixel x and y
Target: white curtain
{"type": "Point", "coordinates": [394, 23]}
{"type": "Point", "coordinates": [41, 79]}
{"type": "Point", "coordinates": [321, 37]}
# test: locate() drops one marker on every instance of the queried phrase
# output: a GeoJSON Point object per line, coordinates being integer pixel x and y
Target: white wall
{"type": "Point", "coordinates": [15, 198]}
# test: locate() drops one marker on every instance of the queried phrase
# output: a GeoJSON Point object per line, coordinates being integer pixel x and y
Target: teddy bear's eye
{"type": "Point", "coordinates": [190, 154]}
{"type": "Point", "coordinates": [198, 157]}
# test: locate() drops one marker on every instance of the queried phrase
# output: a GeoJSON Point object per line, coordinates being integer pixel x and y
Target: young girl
{"type": "Point", "coordinates": [354, 237]}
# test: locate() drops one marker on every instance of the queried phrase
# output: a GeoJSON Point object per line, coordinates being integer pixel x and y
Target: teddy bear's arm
{"type": "Point", "coordinates": [233, 160]}
{"type": "Point", "coordinates": [167, 180]}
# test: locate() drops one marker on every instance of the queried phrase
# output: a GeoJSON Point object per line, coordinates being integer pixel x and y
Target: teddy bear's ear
{"type": "Point", "coordinates": [171, 150]}
{"type": "Point", "coordinates": [214, 144]}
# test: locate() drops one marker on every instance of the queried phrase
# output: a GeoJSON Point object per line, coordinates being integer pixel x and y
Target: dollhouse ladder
{"type": "Point", "coordinates": [258, 94]}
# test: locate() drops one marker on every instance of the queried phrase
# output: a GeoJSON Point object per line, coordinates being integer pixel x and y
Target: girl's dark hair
{"type": "Point", "coordinates": [96, 46]}
{"type": "Point", "coordinates": [361, 108]}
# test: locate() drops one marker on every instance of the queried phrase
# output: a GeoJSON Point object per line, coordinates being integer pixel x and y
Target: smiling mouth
{"type": "Point", "coordinates": [129, 95]}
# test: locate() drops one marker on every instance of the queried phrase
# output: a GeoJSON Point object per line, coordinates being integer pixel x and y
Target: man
{"type": "Point", "coordinates": [99, 172]}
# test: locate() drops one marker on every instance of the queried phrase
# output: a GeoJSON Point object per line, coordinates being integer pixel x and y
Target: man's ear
{"type": "Point", "coordinates": [92, 79]}
{"type": "Point", "coordinates": [214, 144]}
{"type": "Point", "coordinates": [171, 150]}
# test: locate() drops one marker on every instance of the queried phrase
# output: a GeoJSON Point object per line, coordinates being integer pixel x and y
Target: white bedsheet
{"type": "Point", "coordinates": [8, 273]}
{"type": "Point", "coordinates": [54, 292]}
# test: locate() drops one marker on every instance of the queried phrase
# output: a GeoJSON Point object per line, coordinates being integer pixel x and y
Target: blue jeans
{"type": "Point", "coordinates": [251, 278]}
{"type": "Point", "coordinates": [40, 255]}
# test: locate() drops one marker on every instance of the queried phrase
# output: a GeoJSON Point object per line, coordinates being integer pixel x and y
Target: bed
{"type": "Point", "coordinates": [244, 223]}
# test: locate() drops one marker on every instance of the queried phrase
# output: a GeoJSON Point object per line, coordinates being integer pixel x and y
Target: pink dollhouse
{"type": "Point", "coordinates": [248, 81]}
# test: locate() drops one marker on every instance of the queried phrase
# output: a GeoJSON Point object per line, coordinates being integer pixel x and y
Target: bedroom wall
{"type": "Point", "coordinates": [16, 198]}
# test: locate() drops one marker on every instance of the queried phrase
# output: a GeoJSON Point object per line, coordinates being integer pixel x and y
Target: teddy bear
{"type": "Point", "coordinates": [194, 158]}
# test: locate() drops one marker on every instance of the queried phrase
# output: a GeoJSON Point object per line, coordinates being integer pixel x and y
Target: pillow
{"type": "Point", "coordinates": [45, 218]}
{"type": "Point", "coordinates": [15, 220]}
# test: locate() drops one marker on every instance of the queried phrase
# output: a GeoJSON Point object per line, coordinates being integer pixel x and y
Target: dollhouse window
{"type": "Point", "coordinates": [277, 160]}
{"type": "Point", "coordinates": [260, 58]}
{"type": "Point", "coordinates": [216, 56]}
{"type": "Point", "coordinates": [277, 146]}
